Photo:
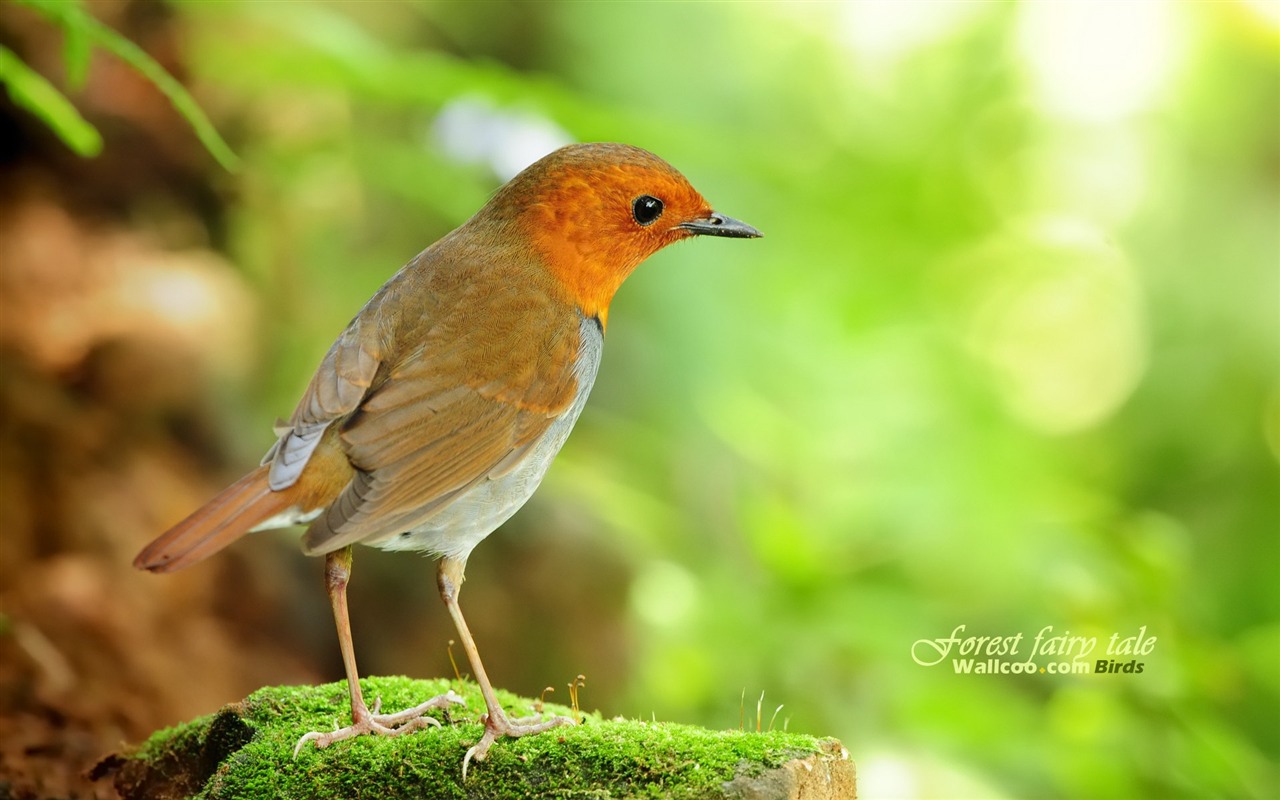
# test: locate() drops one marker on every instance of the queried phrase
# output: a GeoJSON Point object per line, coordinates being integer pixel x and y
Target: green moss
{"type": "Point", "coordinates": [180, 738]}
{"type": "Point", "coordinates": [245, 752]}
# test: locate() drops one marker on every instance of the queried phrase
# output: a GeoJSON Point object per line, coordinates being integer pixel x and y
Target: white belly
{"type": "Point", "coordinates": [457, 528]}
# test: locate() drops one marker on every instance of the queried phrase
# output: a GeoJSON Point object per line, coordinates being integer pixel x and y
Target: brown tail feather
{"type": "Point", "coordinates": [242, 505]}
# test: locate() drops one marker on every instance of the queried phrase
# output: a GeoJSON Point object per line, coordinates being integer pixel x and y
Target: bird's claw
{"type": "Point", "coordinates": [503, 726]}
{"type": "Point", "coordinates": [371, 722]}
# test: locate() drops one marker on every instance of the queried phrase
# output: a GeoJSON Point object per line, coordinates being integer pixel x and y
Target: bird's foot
{"type": "Point", "coordinates": [501, 725]}
{"type": "Point", "coordinates": [364, 721]}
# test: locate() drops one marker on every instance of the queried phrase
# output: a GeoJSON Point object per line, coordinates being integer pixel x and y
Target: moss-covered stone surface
{"type": "Point", "coordinates": [245, 751]}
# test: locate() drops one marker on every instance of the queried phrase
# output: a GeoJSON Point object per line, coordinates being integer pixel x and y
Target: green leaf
{"type": "Point", "coordinates": [31, 91]}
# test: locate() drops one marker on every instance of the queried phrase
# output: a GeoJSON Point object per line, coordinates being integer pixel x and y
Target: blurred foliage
{"type": "Point", "coordinates": [81, 33]}
{"type": "Point", "coordinates": [1005, 358]}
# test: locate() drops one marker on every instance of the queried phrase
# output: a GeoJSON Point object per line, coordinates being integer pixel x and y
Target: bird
{"type": "Point", "coordinates": [436, 413]}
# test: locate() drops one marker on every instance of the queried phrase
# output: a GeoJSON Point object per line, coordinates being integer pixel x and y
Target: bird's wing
{"type": "Point", "coordinates": [339, 385]}
{"type": "Point", "coordinates": [466, 403]}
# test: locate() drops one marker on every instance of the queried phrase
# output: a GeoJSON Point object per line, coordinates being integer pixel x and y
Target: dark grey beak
{"type": "Point", "coordinates": [720, 225]}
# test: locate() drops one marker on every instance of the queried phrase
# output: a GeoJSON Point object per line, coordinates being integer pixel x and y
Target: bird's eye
{"type": "Point", "coordinates": [646, 209]}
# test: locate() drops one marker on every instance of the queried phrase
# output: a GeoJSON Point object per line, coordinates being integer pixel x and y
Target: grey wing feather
{"type": "Point", "coordinates": [340, 383]}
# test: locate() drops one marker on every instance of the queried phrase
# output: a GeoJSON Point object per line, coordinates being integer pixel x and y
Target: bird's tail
{"type": "Point", "coordinates": [238, 509]}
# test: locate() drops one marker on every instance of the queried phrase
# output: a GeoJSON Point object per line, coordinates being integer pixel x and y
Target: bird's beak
{"type": "Point", "coordinates": [720, 225]}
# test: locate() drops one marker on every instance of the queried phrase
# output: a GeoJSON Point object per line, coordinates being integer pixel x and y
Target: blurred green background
{"type": "Point", "coordinates": [1006, 357]}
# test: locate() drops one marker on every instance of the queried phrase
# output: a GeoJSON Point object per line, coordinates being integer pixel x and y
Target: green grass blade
{"type": "Point", "coordinates": [182, 100]}
{"type": "Point", "coordinates": [77, 49]}
{"type": "Point", "coordinates": [31, 91]}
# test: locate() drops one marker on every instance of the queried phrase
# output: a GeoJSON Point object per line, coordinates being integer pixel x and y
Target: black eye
{"type": "Point", "coordinates": [646, 209]}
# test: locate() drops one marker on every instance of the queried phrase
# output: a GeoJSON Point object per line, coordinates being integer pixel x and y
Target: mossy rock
{"type": "Point", "coordinates": [245, 752]}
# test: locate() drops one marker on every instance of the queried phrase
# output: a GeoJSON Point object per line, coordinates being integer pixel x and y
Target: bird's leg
{"type": "Point", "coordinates": [496, 722]}
{"type": "Point", "coordinates": [337, 569]}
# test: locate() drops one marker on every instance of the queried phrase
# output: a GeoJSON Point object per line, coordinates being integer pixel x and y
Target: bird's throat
{"type": "Point", "coordinates": [588, 281]}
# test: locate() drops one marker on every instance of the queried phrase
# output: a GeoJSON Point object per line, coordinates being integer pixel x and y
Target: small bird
{"type": "Point", "coordinates": [436, 413]}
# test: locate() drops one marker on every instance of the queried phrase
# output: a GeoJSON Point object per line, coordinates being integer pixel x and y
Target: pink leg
{"type": "Point", "coordinates": [363, 721]}
{"type": "Point", "coordinates": [496, 723]}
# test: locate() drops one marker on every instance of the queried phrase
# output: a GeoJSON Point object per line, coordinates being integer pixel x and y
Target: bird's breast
{"type": "Point", "coordinates": [458, 527]}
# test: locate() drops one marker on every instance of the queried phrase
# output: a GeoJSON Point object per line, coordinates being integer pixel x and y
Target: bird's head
{"type": "Point", "coordinates": [593, 212]}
